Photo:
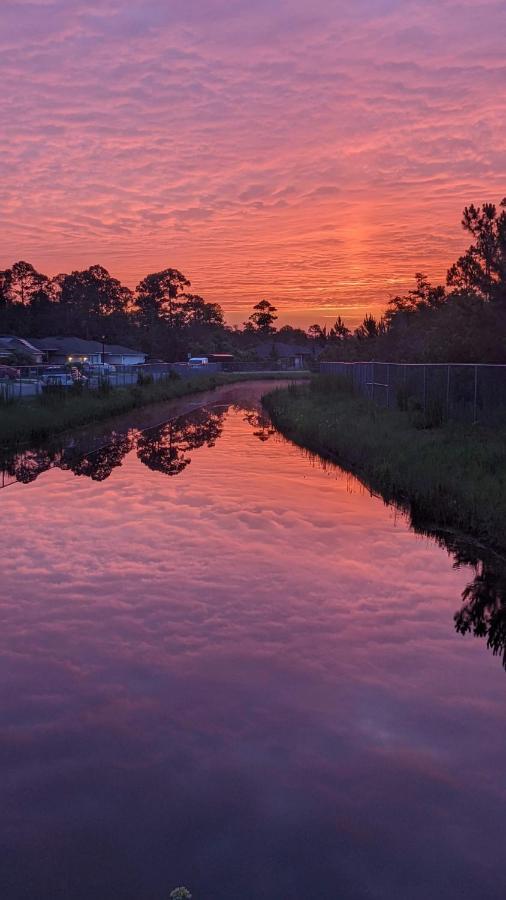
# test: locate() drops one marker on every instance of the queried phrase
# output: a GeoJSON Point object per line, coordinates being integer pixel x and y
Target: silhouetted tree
{"type": "Point", "coordinates": [5, 288]}
{"type": "Point", "coordinates": [23, 281]}
{"type": "Point", "coordinates": [369, 329]}
{"type": "Point", "coordinates": [339, 331]}
{"type": "Point", "coordinates": [196, 311]}
{"type": "Point", "coordinates": [158, 297]}
{"type": "Point", "coordinates": [290, 334]}
{"type": "Point", "coordinates": [424, 297]}
{"type": "Point", "coordinates": [317, 333]}
{"type": "Point", "coordinates": [263, 317]}
{"type": "Point", "coordinates": [483, 267]}
{"type": "Point", "coordinates": [92, 292]}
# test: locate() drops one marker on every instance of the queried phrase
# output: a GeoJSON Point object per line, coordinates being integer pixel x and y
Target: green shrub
{"type": "Point", "coordinates": [430, 417]}
{"type": "Point", "coordinates": [104, 386]}
{"type": "Point", "coordinates": [404, 399]}
{"type": "Point", "coordinates": [144, 378]}
{"type": "Point", "coordinates": [331, 384]}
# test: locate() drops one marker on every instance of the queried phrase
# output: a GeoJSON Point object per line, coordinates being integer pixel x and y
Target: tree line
{"type": "Point", "coordinates": [463, 320]}
{"type": "Point", "coordinates": [161, 316]}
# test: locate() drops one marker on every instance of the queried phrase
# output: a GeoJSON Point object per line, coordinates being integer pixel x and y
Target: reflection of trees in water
{"type": "Point", "coordinates": [163, 449]}
{"type": "Point", "coordinates": [99, 464]}
{"type": "Point", "coordinates": [27, 466]}
{"type": "Point", "coordinates": [166, 449]}
{"type": "Point", "coordinates": [261, 424]}
{"type": "Point", "coordinates": [484, 610]}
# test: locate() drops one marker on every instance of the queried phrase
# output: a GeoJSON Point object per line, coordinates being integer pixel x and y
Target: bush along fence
{"type": "Point", "coordinates": [464, 392]}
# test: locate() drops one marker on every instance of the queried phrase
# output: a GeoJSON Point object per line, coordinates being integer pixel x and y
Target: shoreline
{"type": "Point", "coordinates": [450, 479]}
{"type": "Point", "coordinates": [30, 422]}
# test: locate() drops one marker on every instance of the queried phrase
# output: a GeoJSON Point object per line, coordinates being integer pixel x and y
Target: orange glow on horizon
{"type": "Point", "coordinates": [318, 160]}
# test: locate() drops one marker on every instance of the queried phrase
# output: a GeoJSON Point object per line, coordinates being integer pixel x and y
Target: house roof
{"type": "Point", "coordinates": [282, 349]}
{"type": "Point", "coordinates": [78, 345]}
{"type": "Point", "coordinates": [10, 341]}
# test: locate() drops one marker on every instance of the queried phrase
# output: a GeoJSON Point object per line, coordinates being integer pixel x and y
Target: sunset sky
{"type": "Point", "coordinates": [316, 153]}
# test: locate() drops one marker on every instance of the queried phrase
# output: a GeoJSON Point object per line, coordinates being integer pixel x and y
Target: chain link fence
{"type": "Point", "coordinates": [465, 392]}
{"type": "Point", "coordinates": [32, 381]}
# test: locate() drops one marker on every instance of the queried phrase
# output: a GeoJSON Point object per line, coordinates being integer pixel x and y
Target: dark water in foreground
{"type": "Point", "coordinates": [225, 667]}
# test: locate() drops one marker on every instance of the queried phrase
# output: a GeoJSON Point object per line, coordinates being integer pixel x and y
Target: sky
{"type": "Point", "coordinates": [317, 154]}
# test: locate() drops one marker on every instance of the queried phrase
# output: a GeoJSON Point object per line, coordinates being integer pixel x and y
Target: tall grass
{"type": "Point", "coordinates": [452, 476]}
{"type": "Point", "coordinates": [36, 419]}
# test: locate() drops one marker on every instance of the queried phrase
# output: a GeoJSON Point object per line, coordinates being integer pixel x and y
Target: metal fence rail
{"type": "Point", "coordinates": [29, 381]}
{"type": "Point", "coordinates": [465, 392]}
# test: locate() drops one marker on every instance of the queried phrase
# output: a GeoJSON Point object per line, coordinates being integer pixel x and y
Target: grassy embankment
{"type": "Point", "coordinates": [449, 477]}
{"type": "Point", "coordinates": [36, 419]}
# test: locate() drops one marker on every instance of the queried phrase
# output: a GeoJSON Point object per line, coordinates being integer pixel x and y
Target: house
{"type": "Point", "coordinates": [20, 350]}
{"type": "Point", "coordinates": [61, 350]}
{"type": "Point", "coordinates": [286, 355]}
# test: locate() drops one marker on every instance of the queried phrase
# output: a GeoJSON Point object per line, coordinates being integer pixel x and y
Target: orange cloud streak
{"type": "Point", "coordinates": [318, 158]}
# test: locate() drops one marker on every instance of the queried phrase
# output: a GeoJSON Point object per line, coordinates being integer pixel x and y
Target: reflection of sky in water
{"type": "Point", "coordinates": [244, 678]}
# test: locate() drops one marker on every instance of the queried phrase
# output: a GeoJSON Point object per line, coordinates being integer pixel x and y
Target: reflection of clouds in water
{"type": "Point", "coordinates": [247, 663]}
{"type": "Point", "coordinates": [167, 448]}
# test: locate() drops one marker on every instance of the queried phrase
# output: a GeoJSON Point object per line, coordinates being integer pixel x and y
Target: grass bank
{"type": "Point", "coordinates": [33, 420]}
{"type": "Point", "coordinates": [449, 477]}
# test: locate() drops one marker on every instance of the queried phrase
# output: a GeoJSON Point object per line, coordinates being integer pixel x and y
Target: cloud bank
{"type": "Point", "coordinates": [317, 155]}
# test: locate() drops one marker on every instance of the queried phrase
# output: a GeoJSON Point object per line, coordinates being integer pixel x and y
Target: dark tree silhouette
{"type": "Point", "coordinates": [22, 281]}
{"type": "Point", "coordinates": [158, 297]}
{"type": "Point", "coordinates": [317, 333]}
{"type": "Point", "coordinates": [482, 268]}
{"type": "Point", "coordinates": [196, 311]}
{"type": "Point", "coordinates": [423, 297]}
{"type": "Point", "coordinates": [339, 331]}
{"type": "Point", "coordinates": [263, 317]}
{"type": "Point", "coordinates": [5, 288]}
{"type": "Point", "coordinates": [92, 292]}
{"type": "Point", "coordinates": [369, 329]}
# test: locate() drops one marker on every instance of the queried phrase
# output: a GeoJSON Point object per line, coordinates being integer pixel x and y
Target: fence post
{"type": "Point", "coordinates": [425, 388]}
{"type": "Point", "coordinates": [475, 410]}
{"type": "Point", "coordinates": [388, 385]}
{"type": "Point", "coordinates": [448, 391]}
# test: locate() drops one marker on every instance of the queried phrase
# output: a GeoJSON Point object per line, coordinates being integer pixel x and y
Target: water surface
{"type": "Point", "coordinates": [226, 666]}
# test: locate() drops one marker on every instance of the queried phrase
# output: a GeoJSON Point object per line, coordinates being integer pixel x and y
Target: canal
{"type": "Point", "coordinates": [227, 665]}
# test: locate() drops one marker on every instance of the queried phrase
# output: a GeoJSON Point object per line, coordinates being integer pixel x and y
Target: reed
{"type": "Point", "coordinates": [447, 477]}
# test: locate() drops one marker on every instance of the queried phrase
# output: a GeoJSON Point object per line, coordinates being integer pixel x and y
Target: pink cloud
{"type": "Point", "coordinates": [225, 138]}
